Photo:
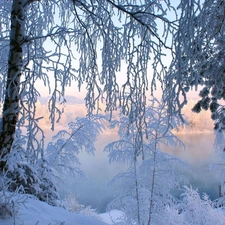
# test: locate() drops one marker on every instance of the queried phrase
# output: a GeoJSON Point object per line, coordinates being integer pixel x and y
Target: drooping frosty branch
{"type": "Point", "coordinates": [199, 59]}
{"type": "Point", "coordinates": [87, 42]}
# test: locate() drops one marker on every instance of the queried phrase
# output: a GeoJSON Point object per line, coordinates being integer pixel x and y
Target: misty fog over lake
{"type": "Point", "coordinates": [96, 192]}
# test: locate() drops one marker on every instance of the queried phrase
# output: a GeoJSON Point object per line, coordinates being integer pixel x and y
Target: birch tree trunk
{"type": "Point", "coordinates": [15, 66]}
{"type": "Point", "coordinates": [136, 184]}
{"type": "Point", "coordinates": [153, 183]}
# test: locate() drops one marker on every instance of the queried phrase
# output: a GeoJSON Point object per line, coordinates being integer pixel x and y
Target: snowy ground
{"type": "Point", "coordinates": [34, 212]}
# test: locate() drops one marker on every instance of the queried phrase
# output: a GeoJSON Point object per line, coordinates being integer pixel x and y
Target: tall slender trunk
{"type": "Point", "coordinates": [153, 184]}
{"type": "Point", "coordinates": [137, 189]}
{"type": "Point", "coordinates": [138, 150]}
{"type": "Point", "coordinates": [15, 66]}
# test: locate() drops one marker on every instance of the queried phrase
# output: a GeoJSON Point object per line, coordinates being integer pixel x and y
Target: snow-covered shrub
{"type": "Point", "coordinates": [47, 190]}
{"type": "Point", "coordinates": [197, 210]}
{"type": "Point", "coordinates": [33, 179]}
{"type": "Point", "coordinates": [23, 176]}
{"type": "Point", "coordinates": [71, 203]}
{"type": "Point", "coordinates": [31, 176]}
{"type": "Point", "coordinates": [89, 211]}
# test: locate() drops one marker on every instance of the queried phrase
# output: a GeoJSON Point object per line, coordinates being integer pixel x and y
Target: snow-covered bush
{"type": "Point", "coordinates": [47, 190]}
{"type": "Point", "coordinates": [71, 203]}
{"type": "Point", "coordinates": [30, 174]}
{"type": "Point", "coordinates": [35, 179]}
{"type": "Point", "coordinates": [197, 210]}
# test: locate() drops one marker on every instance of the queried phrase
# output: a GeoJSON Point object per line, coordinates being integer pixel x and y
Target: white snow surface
{"type": "Point", "coordinates": [35, 212]}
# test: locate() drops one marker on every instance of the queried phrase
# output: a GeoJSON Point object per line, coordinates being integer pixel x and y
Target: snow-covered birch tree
{"type": "Point", "coordinates": [61, 41]}
{"type": "Point", "coordinates": [145, 186]}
